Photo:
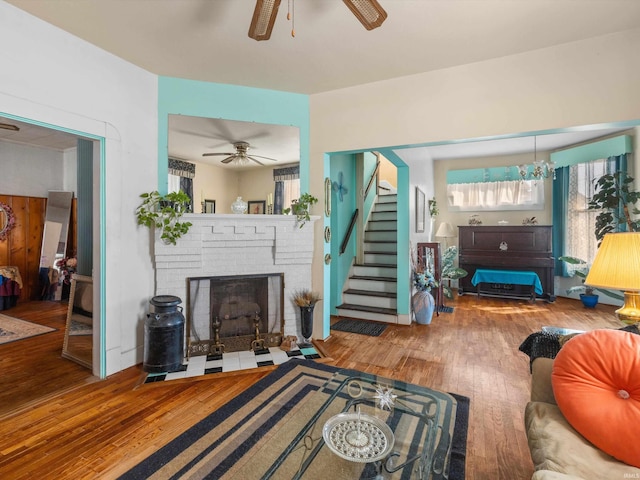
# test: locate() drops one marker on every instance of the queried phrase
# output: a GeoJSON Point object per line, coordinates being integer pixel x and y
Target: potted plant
{"type": "Point", "coordinates": [164, 212]}
{"type": "Point", "coordinates": [616, 201]}
{"type": "Point", "coordinates": [449, 271]}
{"type": "Point", "coordinates": [300, 208]}
{"type": "Point", "coordinates": [580, 268]}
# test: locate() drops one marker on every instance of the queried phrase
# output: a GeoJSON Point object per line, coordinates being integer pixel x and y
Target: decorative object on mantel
{"type": "Point", "coordinates": [239, 206]}
{"type": "Point", "coordinates": [306, 300]}
{"type": "Point", "coordinates": [300, 208]}
{"type": "Point", "coordinates": [7, 220]}
{"type": "Point", "coordinates": [529, 221]}
{"type": "Point", "coordinates": [164, 212]}
{"type": "Point", "coordinates": [474, 220]}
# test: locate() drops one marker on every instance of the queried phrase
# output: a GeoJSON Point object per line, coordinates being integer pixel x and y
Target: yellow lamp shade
{"type": "Point", "coordinates": [617, 267]}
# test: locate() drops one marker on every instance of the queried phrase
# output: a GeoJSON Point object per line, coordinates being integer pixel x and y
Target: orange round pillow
{"type": "Point", "coordinates": [596, 382]}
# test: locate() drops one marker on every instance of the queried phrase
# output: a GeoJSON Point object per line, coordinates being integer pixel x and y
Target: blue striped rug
{"type": "Point", "coordinates": [254, 435]}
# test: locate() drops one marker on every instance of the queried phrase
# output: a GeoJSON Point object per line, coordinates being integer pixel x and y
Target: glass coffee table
{"type": "Point", "coordinates": [365, 427]}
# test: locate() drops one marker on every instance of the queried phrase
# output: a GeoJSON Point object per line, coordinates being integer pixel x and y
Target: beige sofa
{"type": "Point", "coordinates": [557, 450]}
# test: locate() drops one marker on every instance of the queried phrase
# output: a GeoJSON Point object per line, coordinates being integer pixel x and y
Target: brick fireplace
{"type": "Point", "coordinates": [235, 246]}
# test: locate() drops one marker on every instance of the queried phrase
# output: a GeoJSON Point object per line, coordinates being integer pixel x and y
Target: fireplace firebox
{"type": "Point", "coordinates": [234, 313]}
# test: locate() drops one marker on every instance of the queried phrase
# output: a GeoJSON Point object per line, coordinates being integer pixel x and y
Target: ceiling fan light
{"type": "Point", "coordinates": [369, 12]}
{"type": "Point", "coordinates": [264, 16]}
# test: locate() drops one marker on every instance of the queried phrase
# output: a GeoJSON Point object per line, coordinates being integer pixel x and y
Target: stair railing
{"type": "Point", "coordinates": [374, 175]}
{"type": "Point", "coordinates": [347, 234]}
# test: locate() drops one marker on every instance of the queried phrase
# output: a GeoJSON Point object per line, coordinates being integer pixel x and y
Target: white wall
{"type": "Point", "coordinates": [30, 171]}
{"type": "Point", "coordinates": [53, 77]}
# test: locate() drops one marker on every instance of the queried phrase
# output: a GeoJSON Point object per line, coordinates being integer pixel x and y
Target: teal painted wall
{"type": "Point", "coordinates": [204, 99]}
{"type": "Point", "coordinates": [341, 213]}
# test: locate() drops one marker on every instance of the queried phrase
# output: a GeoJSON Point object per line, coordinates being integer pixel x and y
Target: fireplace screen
{"type": "Point", "coordinates": [234, 313]}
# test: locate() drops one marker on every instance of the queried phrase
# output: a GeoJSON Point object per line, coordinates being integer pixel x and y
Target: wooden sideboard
{"type": "Point", "coordinates": [522, 248]}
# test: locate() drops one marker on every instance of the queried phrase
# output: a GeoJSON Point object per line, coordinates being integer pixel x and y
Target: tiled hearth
{"type": "Point", "coordinates": [222, 245]}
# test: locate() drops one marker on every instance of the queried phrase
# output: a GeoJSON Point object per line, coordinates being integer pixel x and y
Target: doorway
{"type": "Point", "coordinates": [33, 154]}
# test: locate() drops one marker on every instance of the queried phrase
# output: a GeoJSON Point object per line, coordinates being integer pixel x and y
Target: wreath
{"type": "Point", "coordinates": [9, 222]}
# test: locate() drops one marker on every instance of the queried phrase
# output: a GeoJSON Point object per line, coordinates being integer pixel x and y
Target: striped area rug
{"type": "Point", "coordinates": [270, 430]}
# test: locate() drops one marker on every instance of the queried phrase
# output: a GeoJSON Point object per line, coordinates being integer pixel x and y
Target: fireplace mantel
{"type": "Point", "coordinates": [221, 244]}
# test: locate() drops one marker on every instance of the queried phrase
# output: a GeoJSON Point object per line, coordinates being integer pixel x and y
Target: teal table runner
{"type": "Point", "coordinates": [510, 277]}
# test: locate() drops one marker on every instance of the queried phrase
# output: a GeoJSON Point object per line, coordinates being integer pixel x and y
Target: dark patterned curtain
{"type": "Point", "coordinates": [186, 171]}
{"type": "Point", "coordinates": [280, 175]}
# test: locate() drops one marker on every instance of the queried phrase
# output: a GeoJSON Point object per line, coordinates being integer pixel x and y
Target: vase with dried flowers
{"type": "Point", "coordinates": [306, 300]}
{"type": "Point", "coordinates": [422, 302]}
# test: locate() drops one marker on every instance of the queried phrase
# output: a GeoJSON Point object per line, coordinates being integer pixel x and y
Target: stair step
{"type": "Point", "coordinates": [354, 291]}
{"type": "Point", "coordinates": [381, 236]}
{"type": "Point", "coordinates": [381, 225]}
{"type": "Point", "coordinates": [381, 246]}
{"type": "Point", "coordinates": [369, 316]}
{"type": "Point", "coordinates": [373, 278]}
{"type": "Point", "coordinates": [364, 308]}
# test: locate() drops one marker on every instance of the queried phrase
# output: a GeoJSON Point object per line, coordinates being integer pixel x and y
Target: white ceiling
{"type": "Point", "coordinates": [207, 40]}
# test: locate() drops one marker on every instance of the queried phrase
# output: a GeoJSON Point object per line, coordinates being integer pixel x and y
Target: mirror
{"type": "Point", "coordinates": [78, 335]}
{"type": "Point", "coordinates": [54, 243]}
{"type": "Point", "coordinates": [7, 220]}
{"type": "Point", "coordinates": [222, 172]}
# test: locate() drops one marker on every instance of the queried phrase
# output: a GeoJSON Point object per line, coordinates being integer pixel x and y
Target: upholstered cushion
{"type": "Point", "coordinates": [596, 383]}
{"type": "Point", "coordinates": [556, 446]}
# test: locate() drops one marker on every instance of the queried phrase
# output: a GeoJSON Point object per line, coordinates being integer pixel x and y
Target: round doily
{"type": "Point", "coordinates": [358, 437]}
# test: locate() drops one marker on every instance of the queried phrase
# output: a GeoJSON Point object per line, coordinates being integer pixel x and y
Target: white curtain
{"type": "Point", "coordinates": [506, 195]}
{"type": "Point", "coordinates": [291, 191]}
{"type": "Point", "coordinates": [580, 240]}
{"type": "Point", "coordinates": [174, 183]}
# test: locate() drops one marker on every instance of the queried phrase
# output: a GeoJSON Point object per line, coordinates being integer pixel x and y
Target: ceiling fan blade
{"type": "Point", "coordinates": [214, 154]}
{"type": "Point", "coordinates": [263, 19]}
{"type": "Point", "coordinates": [368, 12]}
{"type": "Point", "coordinates": [265, 158]}
{"type": "Point", "coordinates": [229, 159]}
{"type": "Point", "coordinates": [253, 159]}
{"type": "Point", "coordinates": [8, 126]}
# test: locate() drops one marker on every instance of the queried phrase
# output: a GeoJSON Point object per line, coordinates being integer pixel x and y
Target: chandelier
{"type": "Point", "coordinates": [541, 169]}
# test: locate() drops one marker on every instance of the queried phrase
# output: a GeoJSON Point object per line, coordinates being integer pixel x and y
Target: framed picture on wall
{"type": "Point", "coordinates": [420, 210]}
{"type": "Point", "coordinates": [256, 207]}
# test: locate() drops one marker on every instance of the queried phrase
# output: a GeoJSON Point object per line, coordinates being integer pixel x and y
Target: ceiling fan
{"type": "Point", "coordinates": [240, 156]}
{"type": "Point", "coordinates": [368, 12]}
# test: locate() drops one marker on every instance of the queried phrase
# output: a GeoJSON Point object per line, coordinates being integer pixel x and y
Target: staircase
{"type": "Point", "coordinates": [370, 291]}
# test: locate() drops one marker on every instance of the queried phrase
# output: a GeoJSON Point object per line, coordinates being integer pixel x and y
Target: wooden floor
{"type": "Point", "coordinates": [99, 429]}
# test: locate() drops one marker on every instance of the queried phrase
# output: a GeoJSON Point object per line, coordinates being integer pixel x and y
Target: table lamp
{"type": "Point", "coordinates": [617, 267]}
{"type": "Point", "coordinates": [445, 230]}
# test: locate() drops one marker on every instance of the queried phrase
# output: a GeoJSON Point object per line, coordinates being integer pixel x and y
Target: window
{"type": "Point", "coordinates": [580, 240]}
